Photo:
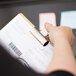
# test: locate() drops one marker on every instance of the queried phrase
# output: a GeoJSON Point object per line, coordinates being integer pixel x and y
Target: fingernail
{"type": "Point", "coordinates": [74, 38]}
{"type": "Point", "coordinates": [46, 24]}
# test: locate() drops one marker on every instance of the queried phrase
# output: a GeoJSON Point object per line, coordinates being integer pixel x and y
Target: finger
{"type": "Point", "coordinates": [48, 26]}
{"type": "Point", "coordinates": [72, 44]}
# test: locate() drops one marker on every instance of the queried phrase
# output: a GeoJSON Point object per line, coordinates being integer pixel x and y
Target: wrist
{"type": "Point", "coordinates": [61, 41]}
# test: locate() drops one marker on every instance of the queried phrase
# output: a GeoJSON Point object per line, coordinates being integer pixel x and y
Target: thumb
{"type": "Point", "coordinates": [48, 26]}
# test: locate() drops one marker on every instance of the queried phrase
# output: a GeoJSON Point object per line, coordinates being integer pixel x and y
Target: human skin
{"type": "Point", "coordinates": [63, 40]}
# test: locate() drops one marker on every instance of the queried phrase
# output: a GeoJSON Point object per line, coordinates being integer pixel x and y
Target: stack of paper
{"type": "Point", "coordinates": [68, 18]}
{"type": "Point", "coordinates": [46, 17]}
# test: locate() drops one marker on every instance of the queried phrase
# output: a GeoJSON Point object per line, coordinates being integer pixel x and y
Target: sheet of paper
{"type": "Point", "coordinates": [18, 42]}
{"type": "Point", "coordinates": [68, 18]}
{"type": "Point", "coordinates": [46, 17]}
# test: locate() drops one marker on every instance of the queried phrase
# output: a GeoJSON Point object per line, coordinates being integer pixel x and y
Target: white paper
{"type": "Point", "coordinates": [68, 18]}
{"type": "Point", "coordinates": [46, 17]}
{"type": "Point", "coordinates": [18, 42]}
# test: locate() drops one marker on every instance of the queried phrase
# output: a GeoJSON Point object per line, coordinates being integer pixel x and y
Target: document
{"type": "Point", "coordinates": [16, 38]}
{"type": "Point", "coordinates": [68, 18]}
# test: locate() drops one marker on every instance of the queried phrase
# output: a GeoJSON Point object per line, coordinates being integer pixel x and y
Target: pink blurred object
{"type": "Point", "coordinates": [46, 17]}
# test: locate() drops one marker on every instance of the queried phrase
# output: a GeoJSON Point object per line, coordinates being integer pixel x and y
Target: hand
{"type": "Point", "coordinates": [59, 33]}
{"type": "Point", "coordinates": [63, 57]}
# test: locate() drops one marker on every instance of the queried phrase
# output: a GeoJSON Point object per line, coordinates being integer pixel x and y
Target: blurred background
{"type": "Point", "coordinates": [62, 12]}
